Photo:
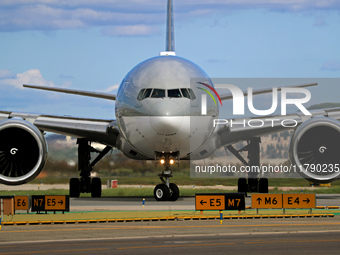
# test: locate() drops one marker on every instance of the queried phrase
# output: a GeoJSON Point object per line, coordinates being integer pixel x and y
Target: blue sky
{"type": "Point", "coordinates": [91, 45]}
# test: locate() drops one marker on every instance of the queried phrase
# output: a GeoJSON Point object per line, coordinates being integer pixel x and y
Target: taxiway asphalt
{"type": "Point", "coordinates": [261, 236]}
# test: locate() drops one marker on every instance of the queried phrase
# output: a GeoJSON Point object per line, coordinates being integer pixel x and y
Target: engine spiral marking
{"type": "Point", "coordinates": [13, 151]}
{"type": "Point", "coordinates": [322, 149]}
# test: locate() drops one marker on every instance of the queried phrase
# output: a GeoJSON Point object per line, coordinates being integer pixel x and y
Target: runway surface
{"type": "Point", "coordinates": [233, 236]}
{"type": "Point", "coordinates": [261, 236]}
{"type": "Point", "coordinates": [186, 203]}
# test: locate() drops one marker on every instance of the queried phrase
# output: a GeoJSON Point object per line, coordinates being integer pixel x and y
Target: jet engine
{"type": "Point", "coordinates": [314, 150]}
{"type": "Point", "coordinates": [23, 151]}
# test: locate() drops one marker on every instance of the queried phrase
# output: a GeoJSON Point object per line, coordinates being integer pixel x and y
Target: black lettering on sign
{"type": "Point", "coordinates": [51, 202]}
{"type": "Point", "coordinates": [218, 202]}
{"type": "Point", "coordinates": [290, 200]}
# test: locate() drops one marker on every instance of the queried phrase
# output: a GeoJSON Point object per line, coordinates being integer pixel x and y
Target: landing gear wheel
{"type": "Point", "coordinates": [161, 192]}
{"type": "Point", "coordinates": [263, 185]}
{"type": "Point", "coordinates": [74, 187]}
{"type": "Point", "coordinates": [175, 192]}
{"type": "Point", "coordinates": [96, 187]}
{"type": "Point", "coordinates": [242, 186]}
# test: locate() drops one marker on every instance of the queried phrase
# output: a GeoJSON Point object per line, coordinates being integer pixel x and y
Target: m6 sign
{"type": "Point", "coordinates": [266, 201]}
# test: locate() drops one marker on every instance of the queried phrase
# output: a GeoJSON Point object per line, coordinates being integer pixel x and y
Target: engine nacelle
{"type": "Point", "coordinates": [23, 151]}
{"type": "Point", "coordinates": [314, 149]}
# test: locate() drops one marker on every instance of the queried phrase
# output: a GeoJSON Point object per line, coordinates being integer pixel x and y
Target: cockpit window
{"type": "Point", "coordinates": [185, 93]}
{"type": "Point", "coordinates": [158, 93]}
{"type": "Point", "coordinates": [174, 93]}
{"type": "Point", "coordinates": [192, 94]}
{"type": "Point", "coordinates": [162, 93]}
{"type": "Point", "coordinates": [140, 94]}
{"type": "Point", "coordinates": [147, 93]}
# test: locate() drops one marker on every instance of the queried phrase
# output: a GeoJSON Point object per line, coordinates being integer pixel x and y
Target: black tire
{"type": "Point", "coordinates": [175, 192]}
{"type": "Point", "coordinates": [161, 192]}
{"type": "Point", "coordinates": [242, 186]}
{"type": "Point", "coordinates": [96, 187]}
{"type": "Point", "coordinates": [74, 187]}
{"type": "Point", "coordinates": [263, 186]}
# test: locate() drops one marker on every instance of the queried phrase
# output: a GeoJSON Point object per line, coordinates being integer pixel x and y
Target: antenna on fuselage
{"type": "Point", "coordinates": [170, 38]}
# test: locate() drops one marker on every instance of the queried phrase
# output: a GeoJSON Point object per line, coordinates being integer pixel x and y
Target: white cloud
{"type": "Point", "coordinates": [129, 17]}
{"type": "Point", "coordinates": [111, 88]}
{"type": "Point", "coordinates": [33, 77]}
{"type": "Point", "coordinates": [133, 30]}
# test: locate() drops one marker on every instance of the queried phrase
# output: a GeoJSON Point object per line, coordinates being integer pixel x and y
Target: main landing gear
{"type": "Point", "coordinates": [166, 191]}
{"type": "Point", "coordinates": [86, 184]}
{"type": "Point", "coordinates": [253, 183]}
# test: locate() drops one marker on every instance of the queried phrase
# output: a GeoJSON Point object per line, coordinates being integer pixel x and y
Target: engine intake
{"type": "Point", "coordinates": [314, 149]}
{"type": "Point", "coordinates": [23, 151]}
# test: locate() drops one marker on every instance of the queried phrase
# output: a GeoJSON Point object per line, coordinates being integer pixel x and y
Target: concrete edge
{"type": "Point", "coordinates": [172, 218]}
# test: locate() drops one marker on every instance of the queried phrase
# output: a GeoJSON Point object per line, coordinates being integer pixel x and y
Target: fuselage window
{"type": "Point", "coordinates": [140, 94]}
{"type": "Point", "coordinates": [174, 93]}
{"type": "Point", "coordinates": [185, 93]}
{"type": "Point", "coordinates": [158, 93]}
{"type": "Point", "coordinates": [147, 93]}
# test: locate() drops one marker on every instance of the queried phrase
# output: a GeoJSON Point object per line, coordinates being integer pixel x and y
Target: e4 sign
{"type": "Point", "coordinates": [299, 201]}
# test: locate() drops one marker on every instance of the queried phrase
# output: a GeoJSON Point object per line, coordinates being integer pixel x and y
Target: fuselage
{"type": "Point", "coordinates": [159, 108]}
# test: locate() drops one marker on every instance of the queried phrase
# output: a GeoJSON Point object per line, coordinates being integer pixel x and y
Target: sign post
{"type": "Point", "coordinates": [266, 201]}
{"type": "Point", "coordinates": [220, 201]}
{"type": "Point", "coordinates": [50, 203]}
{"type": "Point", "coordinates": [283, 201]}
{"type": "Point", "coordinates": [22, 203]}
{"type": "Point", "coordinates": [1, 208]}
{"type": "Point", "coordinates": [299, 201]}
{"type": "Point", "coordinates": [1, 214]}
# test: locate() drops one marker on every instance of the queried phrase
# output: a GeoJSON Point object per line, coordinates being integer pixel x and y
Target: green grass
{"type": "Point", "coordinates": [181, 179]}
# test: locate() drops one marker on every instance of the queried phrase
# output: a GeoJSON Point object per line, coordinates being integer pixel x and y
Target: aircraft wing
{"type": "Point", "coordinates": [102, 95]}
{"type": "Point", "coordinates": [102, 131]}
{"type": "Point", "coordinates": [233, 130]}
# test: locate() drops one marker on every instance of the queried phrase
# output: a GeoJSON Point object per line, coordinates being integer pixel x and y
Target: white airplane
{"type": "Point", "coordinates": [163, 113]}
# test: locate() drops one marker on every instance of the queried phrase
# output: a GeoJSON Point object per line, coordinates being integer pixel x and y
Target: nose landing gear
{"type": "Point", "coordinates": [166, 191]}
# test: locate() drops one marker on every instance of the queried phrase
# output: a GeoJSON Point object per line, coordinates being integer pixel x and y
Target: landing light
{"type": "Point", "coordinates": [172, 161]}
{"type": "Point", "coordinates": [162, 161]}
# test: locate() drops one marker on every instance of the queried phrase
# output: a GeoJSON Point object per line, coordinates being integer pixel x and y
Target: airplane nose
{"type": "Point", "coordinates": [166, 117]}
{"type": "Point", "coordinates": [166, 108]}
